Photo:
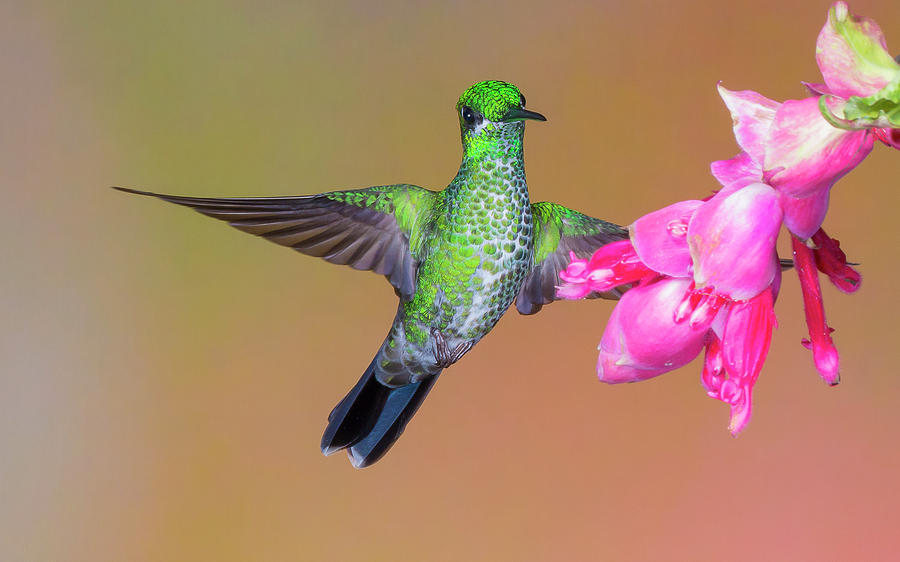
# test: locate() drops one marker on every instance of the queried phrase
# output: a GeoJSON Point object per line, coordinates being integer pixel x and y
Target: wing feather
{"type": "Point", "coordinates": [368, 229]}
{"type": "Point", "coordinates": [558, 231]}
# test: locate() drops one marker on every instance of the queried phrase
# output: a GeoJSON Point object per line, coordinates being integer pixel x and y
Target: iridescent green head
{"type": "Point", "coordinates": [495, 101]}
{"type": "Point", "coordinates": [490, 107]}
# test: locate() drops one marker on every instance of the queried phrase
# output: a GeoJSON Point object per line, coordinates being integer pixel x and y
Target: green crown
{"type": "Point", "coordinates": [491, 98]}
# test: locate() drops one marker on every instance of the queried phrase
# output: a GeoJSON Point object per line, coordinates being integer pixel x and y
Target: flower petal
{"type": "Point", "coordinates": [852, 54]}
{"type": "Point", "coordinates": [610, 266]}
{"type": "Point", "coordinates": [804, 215]}
{"type": "Point", "coordinates": [806, 154]}
{"type": "Point", "coordinates": [832, 261]}
{"type": "Point", "coordinates": [660, 238]}
{"type": "Point", "coordinates": [739, 168]}
{"type": "Point", "coordinates": [825, 355]}
{"type": "Point", "coordinates": [890, 137]}
{"type": "Point", "coordinates": [732, 241]}
{"type": "Point", "coordinates": [641, 340]}
{"type": "Point", "coordinates": [745, 345]}
{"type": "Point", "coordinates": [816, 88]}
{"type": "Point", "coordinates": [752, 115]}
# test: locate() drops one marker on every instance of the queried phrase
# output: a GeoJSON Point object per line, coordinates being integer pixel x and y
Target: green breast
{"type": "Point", "coordinates": [479, 255]}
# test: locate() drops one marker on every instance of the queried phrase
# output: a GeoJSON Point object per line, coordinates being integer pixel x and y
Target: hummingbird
{"type": "Point", "coordinates": [457, 259]}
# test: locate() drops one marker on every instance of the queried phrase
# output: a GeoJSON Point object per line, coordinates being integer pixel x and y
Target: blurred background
{"type": "Point", "coordinates": [166, 379]}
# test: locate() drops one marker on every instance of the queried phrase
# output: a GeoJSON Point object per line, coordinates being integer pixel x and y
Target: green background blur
{"type": "Point", "coordinates": [166, 379]}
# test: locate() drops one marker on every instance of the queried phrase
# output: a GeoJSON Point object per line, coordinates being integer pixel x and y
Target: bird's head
{"type": "Point", "coordinates": [492, 111]}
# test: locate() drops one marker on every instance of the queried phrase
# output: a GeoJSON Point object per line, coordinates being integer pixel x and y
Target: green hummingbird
{"type": "Point", "coordinates": [457, 259]}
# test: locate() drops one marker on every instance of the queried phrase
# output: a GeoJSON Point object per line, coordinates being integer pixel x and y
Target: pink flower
{"type": "Point", "coordinates": [860, 74]}
{"type": "Point", "coordinates": [706, 275]}
{"type": "Point", "coordinates": [795, 150]}
{"type": "Point", "coordinates": [800, 147]}
{"type": "Point", "coordinates": [852, 54]}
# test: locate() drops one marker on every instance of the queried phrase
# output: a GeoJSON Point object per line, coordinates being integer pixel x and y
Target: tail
{"type": "Point", "coordinates": [372, 417]}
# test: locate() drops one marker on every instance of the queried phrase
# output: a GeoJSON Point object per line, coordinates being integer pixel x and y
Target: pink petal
{"type": "Point", "coordinates": [713, 374]}
{"type": "Point", "coordinates": [890, 137]}
{"type": "Point", "coordinates": [832, 261]}
{"type": "Point", "coordinates": [660, 239]}
{"type": "Point", "coordinates": [610, 266]}
{"type": "Point", "coordinates": [752, 115]}
{"type": "Point", "coordinates": [805, 154]}
{"type": "Point", "coordinates": [776, 283]}
{"type": "Point", "coordinates": [641, 340]}
{"type": "Point", "coordinates": [804, 215]}
{"type": "Point", "coordinates": [739, 168]}
{"type": "Point", "coordinates": [852, 54]}
{"type": "Point", "coordinates": [732, 241]}
{"type": "Point", "coordinates": [745, 345]}
{"type": "Point", "coordinates": [816, 88]}
{"type": "Point", "coordinates": [825, 355]}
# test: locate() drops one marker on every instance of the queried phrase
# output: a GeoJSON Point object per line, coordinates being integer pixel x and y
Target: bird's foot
{"type": "Point", "coordinates": [443, 355]}
{"type": "Point", "coordinates": [460, 350]}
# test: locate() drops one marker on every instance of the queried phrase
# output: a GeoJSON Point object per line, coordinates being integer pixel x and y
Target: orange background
{"type": "Point", "coordinates": [166, 379]}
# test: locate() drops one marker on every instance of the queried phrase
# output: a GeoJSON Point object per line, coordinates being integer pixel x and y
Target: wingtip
{"type": "Point", "coordinates": [134, 191]}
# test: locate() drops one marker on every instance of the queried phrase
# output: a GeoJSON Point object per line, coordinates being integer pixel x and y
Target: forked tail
{"type": "Point", "coordinates": [372, 417]}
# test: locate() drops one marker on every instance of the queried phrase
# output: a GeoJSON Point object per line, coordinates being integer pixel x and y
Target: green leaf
{"type": "Point", "coordinates": [881, 109]}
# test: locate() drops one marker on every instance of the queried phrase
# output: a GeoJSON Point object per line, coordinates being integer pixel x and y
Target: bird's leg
{"type": "Point", "coordinates": [460, 350]}
{"type": "Point", "coordinates": [440, 349]}
{"type": "Point", "coordinates": [443, 355]}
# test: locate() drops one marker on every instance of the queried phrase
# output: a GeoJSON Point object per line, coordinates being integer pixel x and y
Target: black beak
{"type": "Point", "coordinates": [520, 114]}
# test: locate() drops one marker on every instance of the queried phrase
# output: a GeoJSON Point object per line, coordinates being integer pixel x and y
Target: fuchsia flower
{"type": "Point", "coordinates": [692, 292]}
{"type": "Point", "coordinates": [705, 274]}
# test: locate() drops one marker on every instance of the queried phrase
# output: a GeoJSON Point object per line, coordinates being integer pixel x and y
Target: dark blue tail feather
{"type": "Point", "coordinates": [372, 417]}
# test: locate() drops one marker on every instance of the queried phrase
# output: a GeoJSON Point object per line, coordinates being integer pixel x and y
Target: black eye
{"type": "Point", "coordinates": [468, 115]}
{"type": "Point", "coordinates": [522, 99]}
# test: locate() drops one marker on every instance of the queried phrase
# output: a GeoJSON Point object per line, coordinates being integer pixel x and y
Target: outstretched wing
{"type": "Point", "coordinates": [377, 228]}
{"type": "Point", "coordinates": [557, 231]}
